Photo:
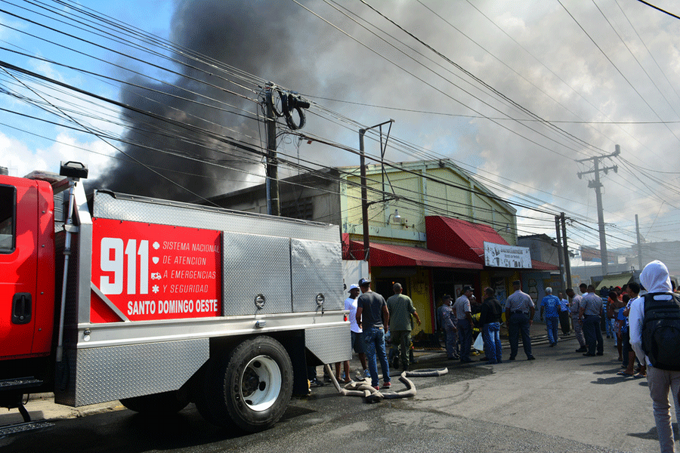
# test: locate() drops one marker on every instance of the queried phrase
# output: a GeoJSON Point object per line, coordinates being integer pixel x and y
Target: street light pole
{"type": "Point", "coordinates": [364, 189]}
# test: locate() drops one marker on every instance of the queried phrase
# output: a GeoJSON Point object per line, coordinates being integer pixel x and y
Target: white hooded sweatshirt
{"type": "Point", "coordinates": [655, 279]}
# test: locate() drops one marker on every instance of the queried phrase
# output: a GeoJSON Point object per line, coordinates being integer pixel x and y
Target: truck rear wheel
{"type": "Point", "coordinates": [157, 404]}
{"type": "Point", "coordinates": [250, 387]}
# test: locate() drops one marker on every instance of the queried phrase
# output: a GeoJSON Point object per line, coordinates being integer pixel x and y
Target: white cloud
{"type": "Point", "coordinates": [20, 160]}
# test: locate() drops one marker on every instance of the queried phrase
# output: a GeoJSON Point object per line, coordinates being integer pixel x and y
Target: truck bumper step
{"type": "Point", "coordinates": [23, 427]}
{"type": "Point", "coordinates": [18, 383]}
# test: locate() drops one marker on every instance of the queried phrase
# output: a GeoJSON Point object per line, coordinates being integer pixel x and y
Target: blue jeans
{"type": "Point", "coordinates": [551, 324]}
{"type": "Point", "coordinates": [465, 338]}
{"type": "Point", "coordinates": [593, 333]}
{"type": "Point", "coordinates": [491, 334]}
{"type": "Point", "coordinates": [374, 340]}
{"type": "Point", "coordinates": [450, 340]}
{"type": "Point", "coordinates": [609, 327]}
{"type": "Point", "coordinates": [519, 322]}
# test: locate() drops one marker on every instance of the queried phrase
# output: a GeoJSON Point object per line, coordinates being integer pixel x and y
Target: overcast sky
{"type": "Point", "coordinates": [514, 92]}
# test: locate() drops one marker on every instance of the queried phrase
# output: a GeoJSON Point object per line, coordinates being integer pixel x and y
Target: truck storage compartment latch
{"type": "Point", "coordinates": [21, 308]}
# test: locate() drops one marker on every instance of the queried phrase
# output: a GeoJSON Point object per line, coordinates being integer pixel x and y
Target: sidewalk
{"type": "Point", "coordinates": [41, 406]}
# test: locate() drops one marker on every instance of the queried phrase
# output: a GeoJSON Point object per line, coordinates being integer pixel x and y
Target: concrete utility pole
{"type": "Point", "coordinates": [364, 189]}
{"type": "Point", "coordinates": [597, 185]}
{"type": "Point", "coordinates": [637, 230]}
{"type": "Point", "coordinates": [558, 232]}
{"type": "Point", "coordinates": [567, 264]}
{"type": "Point", "coordinates": [272, 182]}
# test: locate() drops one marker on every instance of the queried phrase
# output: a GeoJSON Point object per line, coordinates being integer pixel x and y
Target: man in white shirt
{"type": "Point", "coordinates": [655, 279]}
{"type": "Point", "coordinates": [357, 339]}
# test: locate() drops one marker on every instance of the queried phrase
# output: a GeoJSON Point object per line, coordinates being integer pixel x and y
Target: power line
{"type": "Point", "coordinates": [258, 125]}
{"type": "Point", "coordinates": [659, 9]}
{"type": "Point", "coordinates": [635, 58]}
{"type": "Point", "coordinates": [615, 67]}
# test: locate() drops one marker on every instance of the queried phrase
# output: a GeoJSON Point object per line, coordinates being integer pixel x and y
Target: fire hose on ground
{"type": "Point", "coordinates": [364, 389]}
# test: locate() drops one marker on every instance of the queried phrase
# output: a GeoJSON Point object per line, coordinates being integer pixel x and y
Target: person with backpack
{"type": "Point", "coordinates": [655, 336]}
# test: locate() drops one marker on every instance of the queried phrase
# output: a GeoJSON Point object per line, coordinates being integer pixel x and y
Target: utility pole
{"type": "Point", "coordinates": [272, 182]}
{"type": "Point", "coordinates": [637, 229]}
{"type": "Point", "coordinates": [364, 189]}
{"type": "Point", "coordinates": [597, 185]}
{"type": "Point", "coordinates": [567, 264]}
{"type": "Point", "coordinates": [559, 250]}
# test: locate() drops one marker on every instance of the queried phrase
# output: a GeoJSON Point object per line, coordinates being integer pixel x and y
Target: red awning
{"type": "Point", "coordinates": [465, 240]}
{"type": "Point", "coordinates": [541, 266]}
{"type": "Point", "coordinates": [387, 255]}
{"type": "Point", "coordinates": [460, 238]}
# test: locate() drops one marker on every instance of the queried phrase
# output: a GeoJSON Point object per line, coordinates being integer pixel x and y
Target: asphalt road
{"type": "Point", "coordinates": [561, 402]}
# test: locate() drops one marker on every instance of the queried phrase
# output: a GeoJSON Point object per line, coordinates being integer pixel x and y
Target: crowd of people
{"type": "Point", "coordinates": [622, 316]}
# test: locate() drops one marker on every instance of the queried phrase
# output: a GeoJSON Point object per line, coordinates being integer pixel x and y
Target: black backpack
{"type": "Point", "coordinates": [661, 332]}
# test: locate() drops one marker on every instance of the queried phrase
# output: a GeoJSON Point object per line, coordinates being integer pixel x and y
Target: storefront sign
{"type": "Point", "coordinates": [499, 255]}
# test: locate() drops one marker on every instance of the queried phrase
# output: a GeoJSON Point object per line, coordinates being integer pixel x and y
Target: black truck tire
{"type": "Point", "coordinates": [156, 404]}
{"type": "Point", "coordinates": [249, 387]}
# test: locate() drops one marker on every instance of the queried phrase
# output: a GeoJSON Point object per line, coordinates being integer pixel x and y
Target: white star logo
{"type": "Point", "coordinates": [155, 289]}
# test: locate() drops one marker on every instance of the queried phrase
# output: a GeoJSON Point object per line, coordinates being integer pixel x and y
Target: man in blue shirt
{"type": "Point", "coordinates": [519, 311]}
{"type": "Point", "coordinates": [551, 306]}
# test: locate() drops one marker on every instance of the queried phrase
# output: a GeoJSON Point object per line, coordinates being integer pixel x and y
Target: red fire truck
{"type": "Point", "coordinates": [158, 303]}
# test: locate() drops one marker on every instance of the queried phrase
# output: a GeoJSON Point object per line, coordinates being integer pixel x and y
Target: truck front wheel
{"type": "Point", "coordinates": [250, 387]}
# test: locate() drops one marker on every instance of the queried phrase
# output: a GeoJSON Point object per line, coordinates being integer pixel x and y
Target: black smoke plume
{"type": "Point", "coordinates": [264, 38]}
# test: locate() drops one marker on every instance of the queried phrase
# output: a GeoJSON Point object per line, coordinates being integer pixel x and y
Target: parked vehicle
{"type": "Point", "coordinates": [158, 303]}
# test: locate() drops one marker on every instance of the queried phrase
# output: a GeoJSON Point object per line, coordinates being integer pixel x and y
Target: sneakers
{"type": "Point", "coordinates": [377, 387]}
{"type": "Point", "coordinates": [315, 383]}
{"type": "Point", "coordinates": [531, 358]}
{"type": "Point", "coordinates": [387, 385]}
{"type": "Point", "coordinates": [367, 373]}
{"type": "Point", "coordinates": [582, 349]}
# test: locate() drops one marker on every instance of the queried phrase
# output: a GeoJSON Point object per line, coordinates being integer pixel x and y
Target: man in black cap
{"type": "Point", "coordinates": [463, 313]}
{"type": "Point", "coordinates": [374, 319]}
{"type": "Point", "coordinates": [519, 312]}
